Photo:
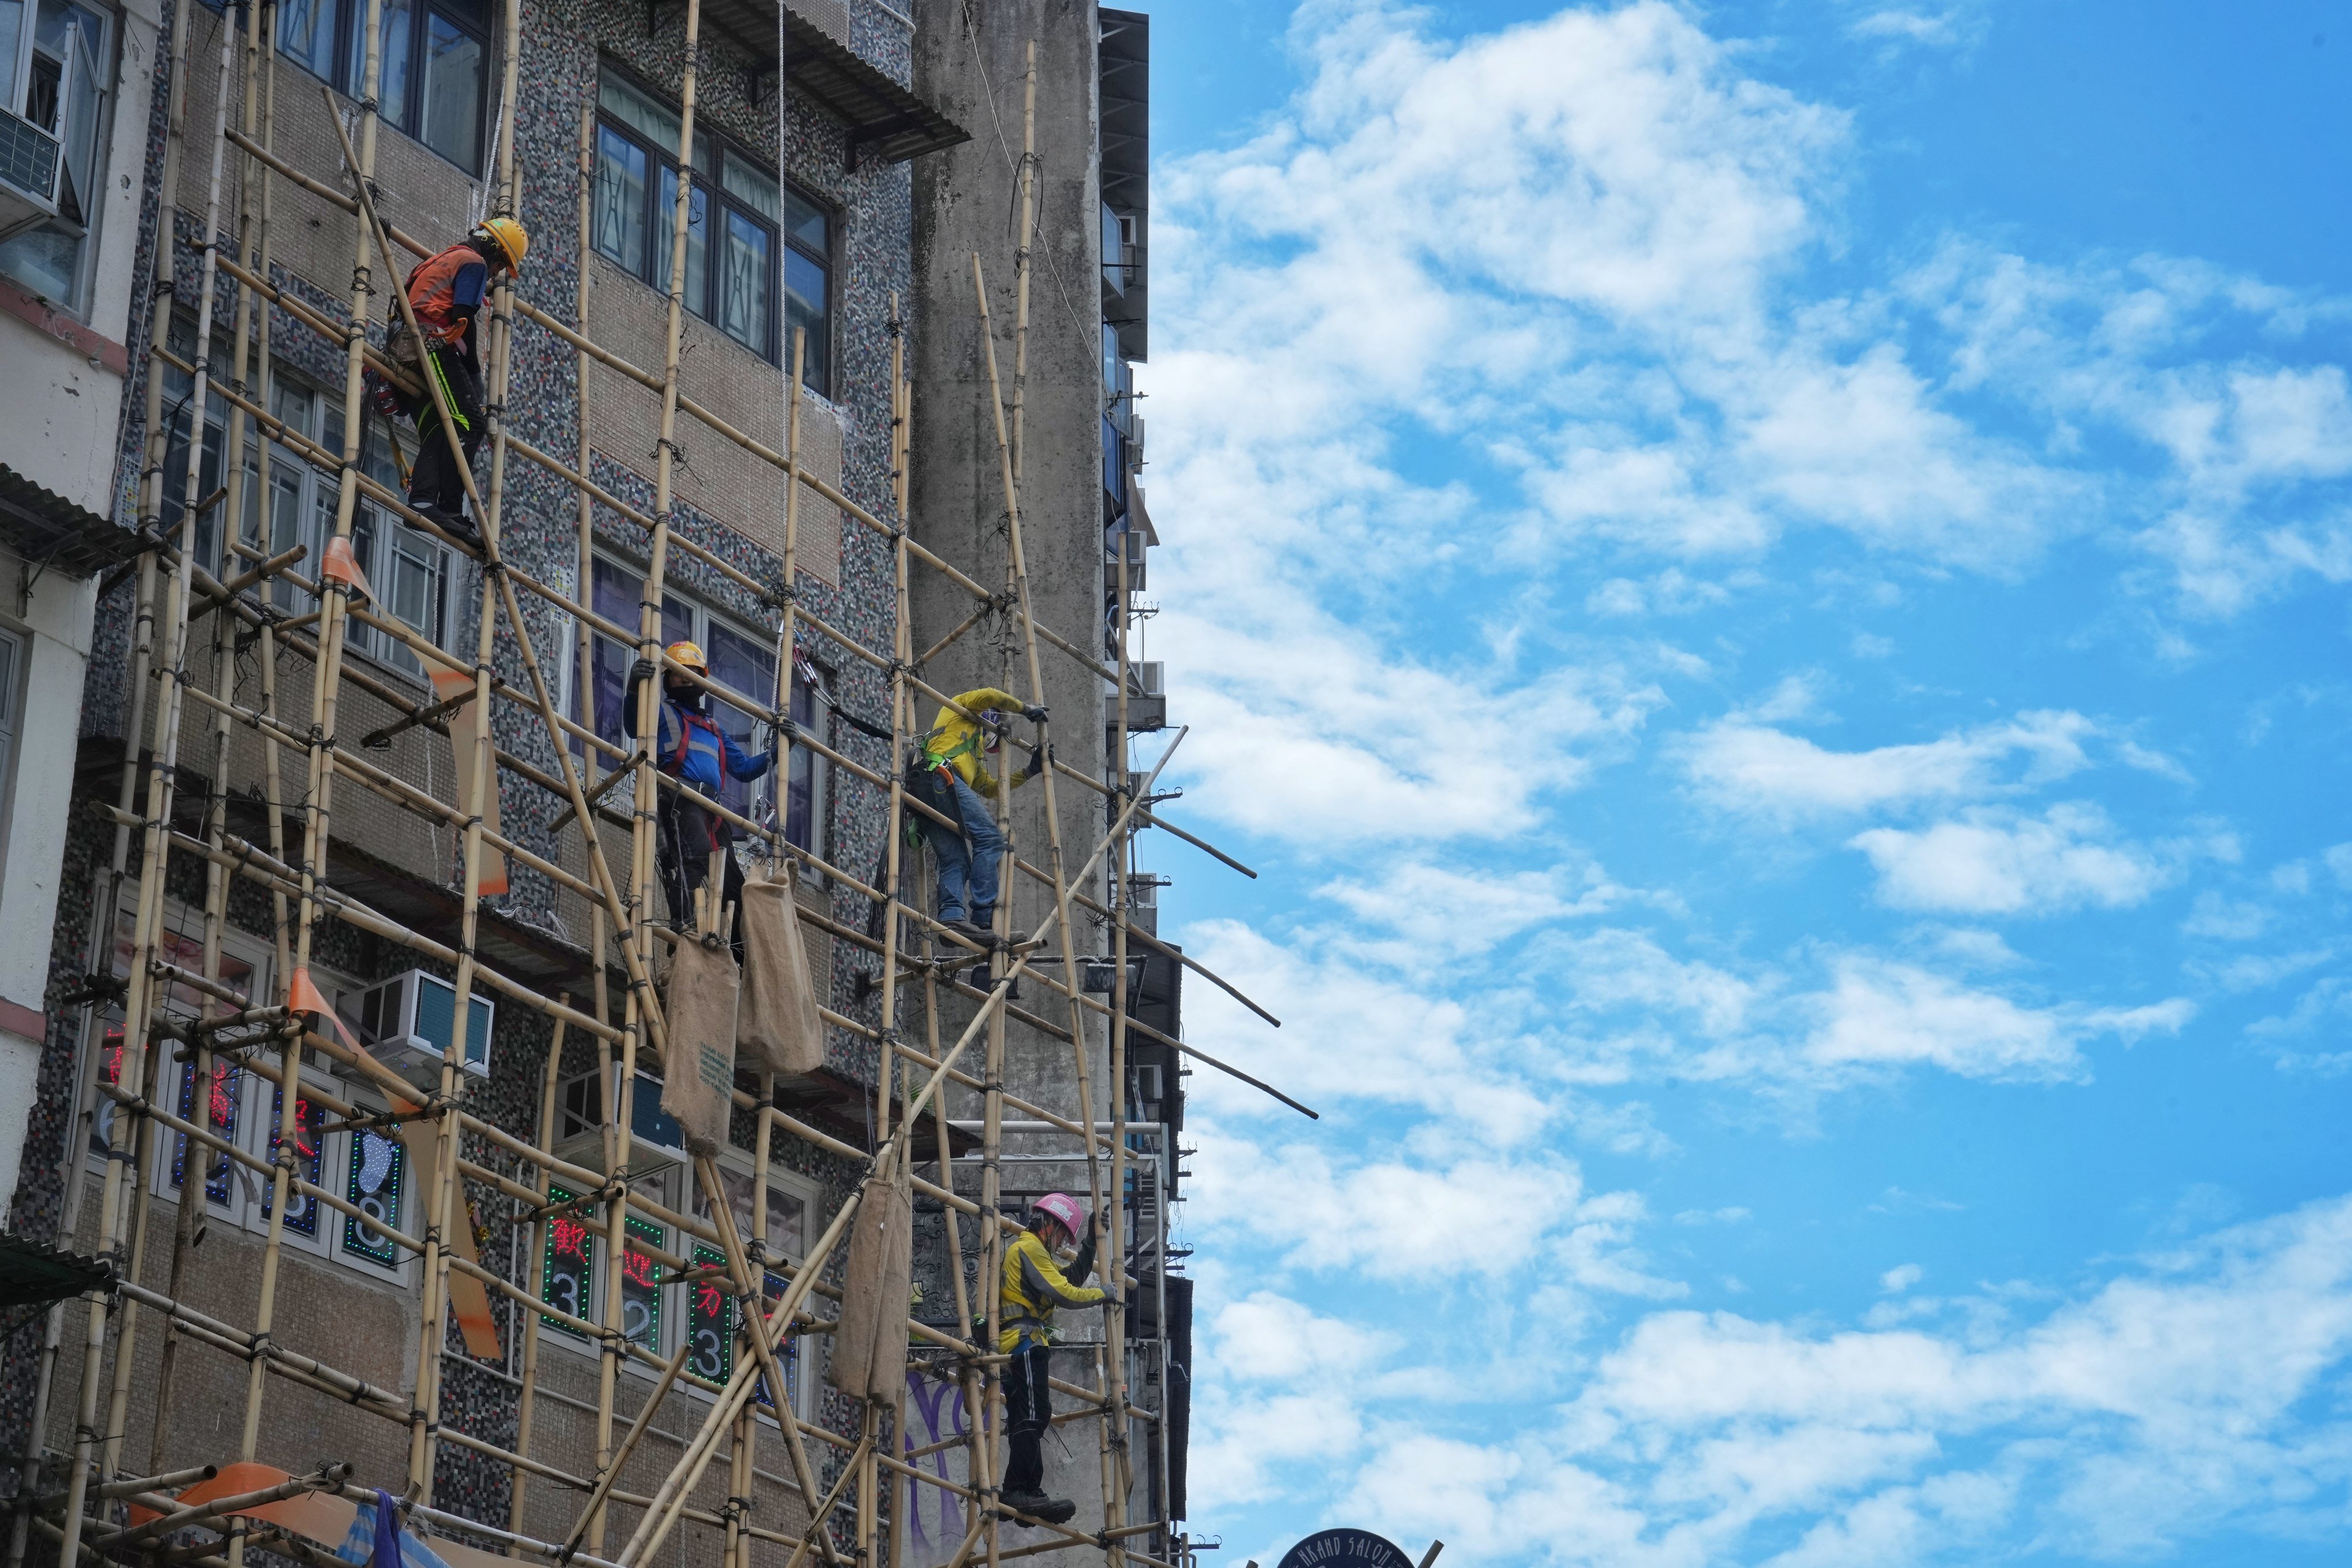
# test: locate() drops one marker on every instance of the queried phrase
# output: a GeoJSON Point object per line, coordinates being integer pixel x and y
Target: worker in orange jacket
{"type": "Point", "coordinates": [445, 293]}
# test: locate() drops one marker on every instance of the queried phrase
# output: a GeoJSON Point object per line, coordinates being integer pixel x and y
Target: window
{"type": "Point", "coordinates": [409, 570]}
{"type": "Point", "coordinates": [368, 1168]}
{"type": "Point", "coordinates": [736, 206]}
{"type": "Point", "coordinates": [52, 81]}
{"type": "Point", "coordinates": [661, 1314]}
{"type": "Point", "coordinates": [433, 69]}
{"type": "Point", "coordinates": [741, 660]}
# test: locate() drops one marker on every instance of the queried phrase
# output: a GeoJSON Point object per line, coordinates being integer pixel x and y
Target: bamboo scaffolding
{"type": "Point", "coordinates": [267, 1035]}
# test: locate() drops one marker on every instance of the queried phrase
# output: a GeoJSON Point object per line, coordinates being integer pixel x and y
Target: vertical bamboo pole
{"type": "Point", "coordinates": [140, 1004]}
{"type": "Point", "coordinates": [527, 1396]}
{"type": "Point", "coordinates": [1115, 1279]}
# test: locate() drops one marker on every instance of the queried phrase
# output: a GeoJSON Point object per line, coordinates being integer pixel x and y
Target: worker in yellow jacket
{"type": "Point", "coordinates": [950, 774]}
{"type": "Point", "coordinates": [1033, 1285]}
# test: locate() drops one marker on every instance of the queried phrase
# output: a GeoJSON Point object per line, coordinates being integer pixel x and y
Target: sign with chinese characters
{"type": "Point", "coordinates": [1345, 1548]}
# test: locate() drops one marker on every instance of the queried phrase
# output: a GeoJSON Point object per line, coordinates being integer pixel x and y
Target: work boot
{"type": "Point", "coordinates": [971, 932]}
{"type": "Point", "coordinates": [454, 522]}
{"type": "Point", "coordinates": [1037, 1505]}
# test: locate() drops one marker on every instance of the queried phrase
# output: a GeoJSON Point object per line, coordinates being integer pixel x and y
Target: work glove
{"type": "Point", "coordinates": [1034, 714]}
{"type": "Point", "coordinates": [642, 670]}
{"type": "Point", "coordinates": [1036, 767]}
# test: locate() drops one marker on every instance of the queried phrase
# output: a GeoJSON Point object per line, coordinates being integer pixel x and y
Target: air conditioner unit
{"type": "Point", "coordinates": [30, 159]}
{"type": "Point", "coordinates": [655, 1140]}
{"type": "Point", "coordinates": [406, 1022]}
{"type": "Point", "coordinates": [1149, 677]}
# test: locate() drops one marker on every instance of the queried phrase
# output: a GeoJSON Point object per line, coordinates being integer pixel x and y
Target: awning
{"type": "Point", "coordinates": [885, 121]}
{"type": "Point", "coordinates": [43, 526]}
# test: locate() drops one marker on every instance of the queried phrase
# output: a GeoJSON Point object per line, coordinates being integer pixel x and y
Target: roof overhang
{"type": "Point", "coordinates": [45, 527]}
{"type": "Point", "coordinates": [885, 122]}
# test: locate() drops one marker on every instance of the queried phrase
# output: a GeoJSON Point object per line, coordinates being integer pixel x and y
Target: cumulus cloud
{"type": "Point", "coordinates": [1883, 1014]}
{"type": "Point", "coordinates": [2169, 1401]}
{"type": "Point", "coordinates": [1741, 765]}
{"type": "Point", "coordinates": [2004, 862]}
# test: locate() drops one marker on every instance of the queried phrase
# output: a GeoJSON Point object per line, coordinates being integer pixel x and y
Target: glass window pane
{"type": "Point", "coordinates": [285, 525]}
{"type": "Point", "coordinates": [620, 216]}
{"type": "Point", "coordinates": [743, 286]}
{"type": "Point", "coordinates": [222, 1090]}
{"type": "Point", "coordinates": [698, 243]}
{"type": "Point", "coordinates": [12, 31]}
{"type": "Point", "coordinates": [47, 260]}
{"type": "Point", "coordinates": [711, 1323]}
{"type": "Point", "coordinates": [567, 1267]}
{"type": "Point", "coordinates": [807, 224]}
{"type": "Point", "coordinates": [306, 35]}
{"type": "Point", "coordinates": [804, 305]}
{"type": "Point", "coordinates": [391, 94]}
{"type": "Point", "coordinates": [309, 1116]}
{"type": "Point", "coordinates": [743, 664]}
{"type": "Point", "coordinates": [453, 92]}
{"type": "Point", "coordinates": [800, 795]}
{"type": "Point", "coordinates": [639, 113]}
{"type": "Point", "coordinates": [753, 186]}
{"type": "Point", "coordinates": [379, 1172]}
{"type": "Point", "coordinates": [641, 1286]}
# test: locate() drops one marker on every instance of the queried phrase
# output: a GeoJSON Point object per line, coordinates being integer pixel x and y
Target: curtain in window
{"type": "Point", "coordinates": [620, 214]}
{"type": "Point", "coordinates": [743, 302]}
{"type": "Point", "coordinates": [698, 242]}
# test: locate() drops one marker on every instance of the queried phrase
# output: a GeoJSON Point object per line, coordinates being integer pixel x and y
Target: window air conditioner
{"type": "Point", "coordinates": [408, 1021]}
{"type": "Point", "coordinates": [655, 1140]}
{"type": "Point", "coordinates": [1148, 676]}
{"type": "Point", "coordinates": [29, 161]}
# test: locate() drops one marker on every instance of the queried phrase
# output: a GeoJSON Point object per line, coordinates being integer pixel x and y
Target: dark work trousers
{"type": "Point", "coordinates": [436, 480]}
{"type": "Point", "coordinates": [687, 836]}
{"type": "Point", "coordinates": [1029, 1412]}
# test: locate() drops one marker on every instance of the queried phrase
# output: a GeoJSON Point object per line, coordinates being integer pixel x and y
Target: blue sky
{"type": "Point", "coordinates": [1766, 586]}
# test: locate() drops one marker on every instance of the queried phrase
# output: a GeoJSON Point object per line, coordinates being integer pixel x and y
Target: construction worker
{"type": "Point", "coordinates": [447, 292]}
{"type": "Point", "coordinates": [949, 774]}
{"type": "Point", "coordinates": [1035, 1284]}
{"type": "Point", "coordinates": [690, 747]}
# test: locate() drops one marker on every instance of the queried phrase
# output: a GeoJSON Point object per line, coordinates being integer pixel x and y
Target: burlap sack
{"type": "Point", "coordinates": [698, 1082]}
{"type": "Point", "coordinates": [778, 1028]}
{"type": "Point", "coordinates": [870, 1348]}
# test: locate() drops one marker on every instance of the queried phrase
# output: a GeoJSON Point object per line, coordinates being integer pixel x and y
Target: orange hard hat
{"type": "Point", "coordinates": [690, 655]}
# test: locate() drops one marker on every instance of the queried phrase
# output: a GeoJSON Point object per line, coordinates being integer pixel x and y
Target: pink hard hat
{"type": "Point", "coordinates": [1065, 1210]}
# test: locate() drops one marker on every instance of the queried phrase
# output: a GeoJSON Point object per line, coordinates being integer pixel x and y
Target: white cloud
{"type": "Point", "coordinates": [1739, 764]}
{"type": "Point", "coordinates": [1901, 1278]}
{"type": "Point", "coordinates": [1879, 1014]}
{"type": "Point", "coordinates": [2003, 862]}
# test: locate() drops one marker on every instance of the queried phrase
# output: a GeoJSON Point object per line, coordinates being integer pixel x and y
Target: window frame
{"type": "Point", "coordinates": [378, 534]}
{"type": "Point", "coordinates": [771, 792]}
{"type": "Point", "coordinates": [409, 119]}
{"type": "Point", "coordinates": [674, 1318]}
{"type": "Point", "coordinates": [106, 68]}
{"type": "Point", "coordinates": [710, 185]}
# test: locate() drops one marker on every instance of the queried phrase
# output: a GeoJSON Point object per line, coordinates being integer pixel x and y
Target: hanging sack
{"type": "Point", "coordinates": [699, 1080]}
{"type": "Point", "coordinates": [779, 1029]}
{"type": "Point", "coordinates": [870, 1348]}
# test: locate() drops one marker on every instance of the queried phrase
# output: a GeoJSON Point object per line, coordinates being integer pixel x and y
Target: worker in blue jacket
{"type": "Point", "coordinates": [690, 747]}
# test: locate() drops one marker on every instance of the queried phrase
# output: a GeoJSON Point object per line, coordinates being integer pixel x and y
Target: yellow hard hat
{"type": "Point", "coordinates": [690, 655]}
{"type": "Point", "coordinates": [509, 237]}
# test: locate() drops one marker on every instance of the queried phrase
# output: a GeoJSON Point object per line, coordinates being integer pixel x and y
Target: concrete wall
{"type": "Point", "coordinates": [53, 629]}
{"type": "Point", "coordinates": [961, 200]}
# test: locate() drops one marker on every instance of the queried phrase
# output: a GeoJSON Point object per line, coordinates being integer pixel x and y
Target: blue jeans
{"type": "Point", "coordinates": [966, 870]}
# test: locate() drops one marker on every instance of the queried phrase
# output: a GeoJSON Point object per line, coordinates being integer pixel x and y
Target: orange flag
{"type": "Point", "coordinates": [342, 566]}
